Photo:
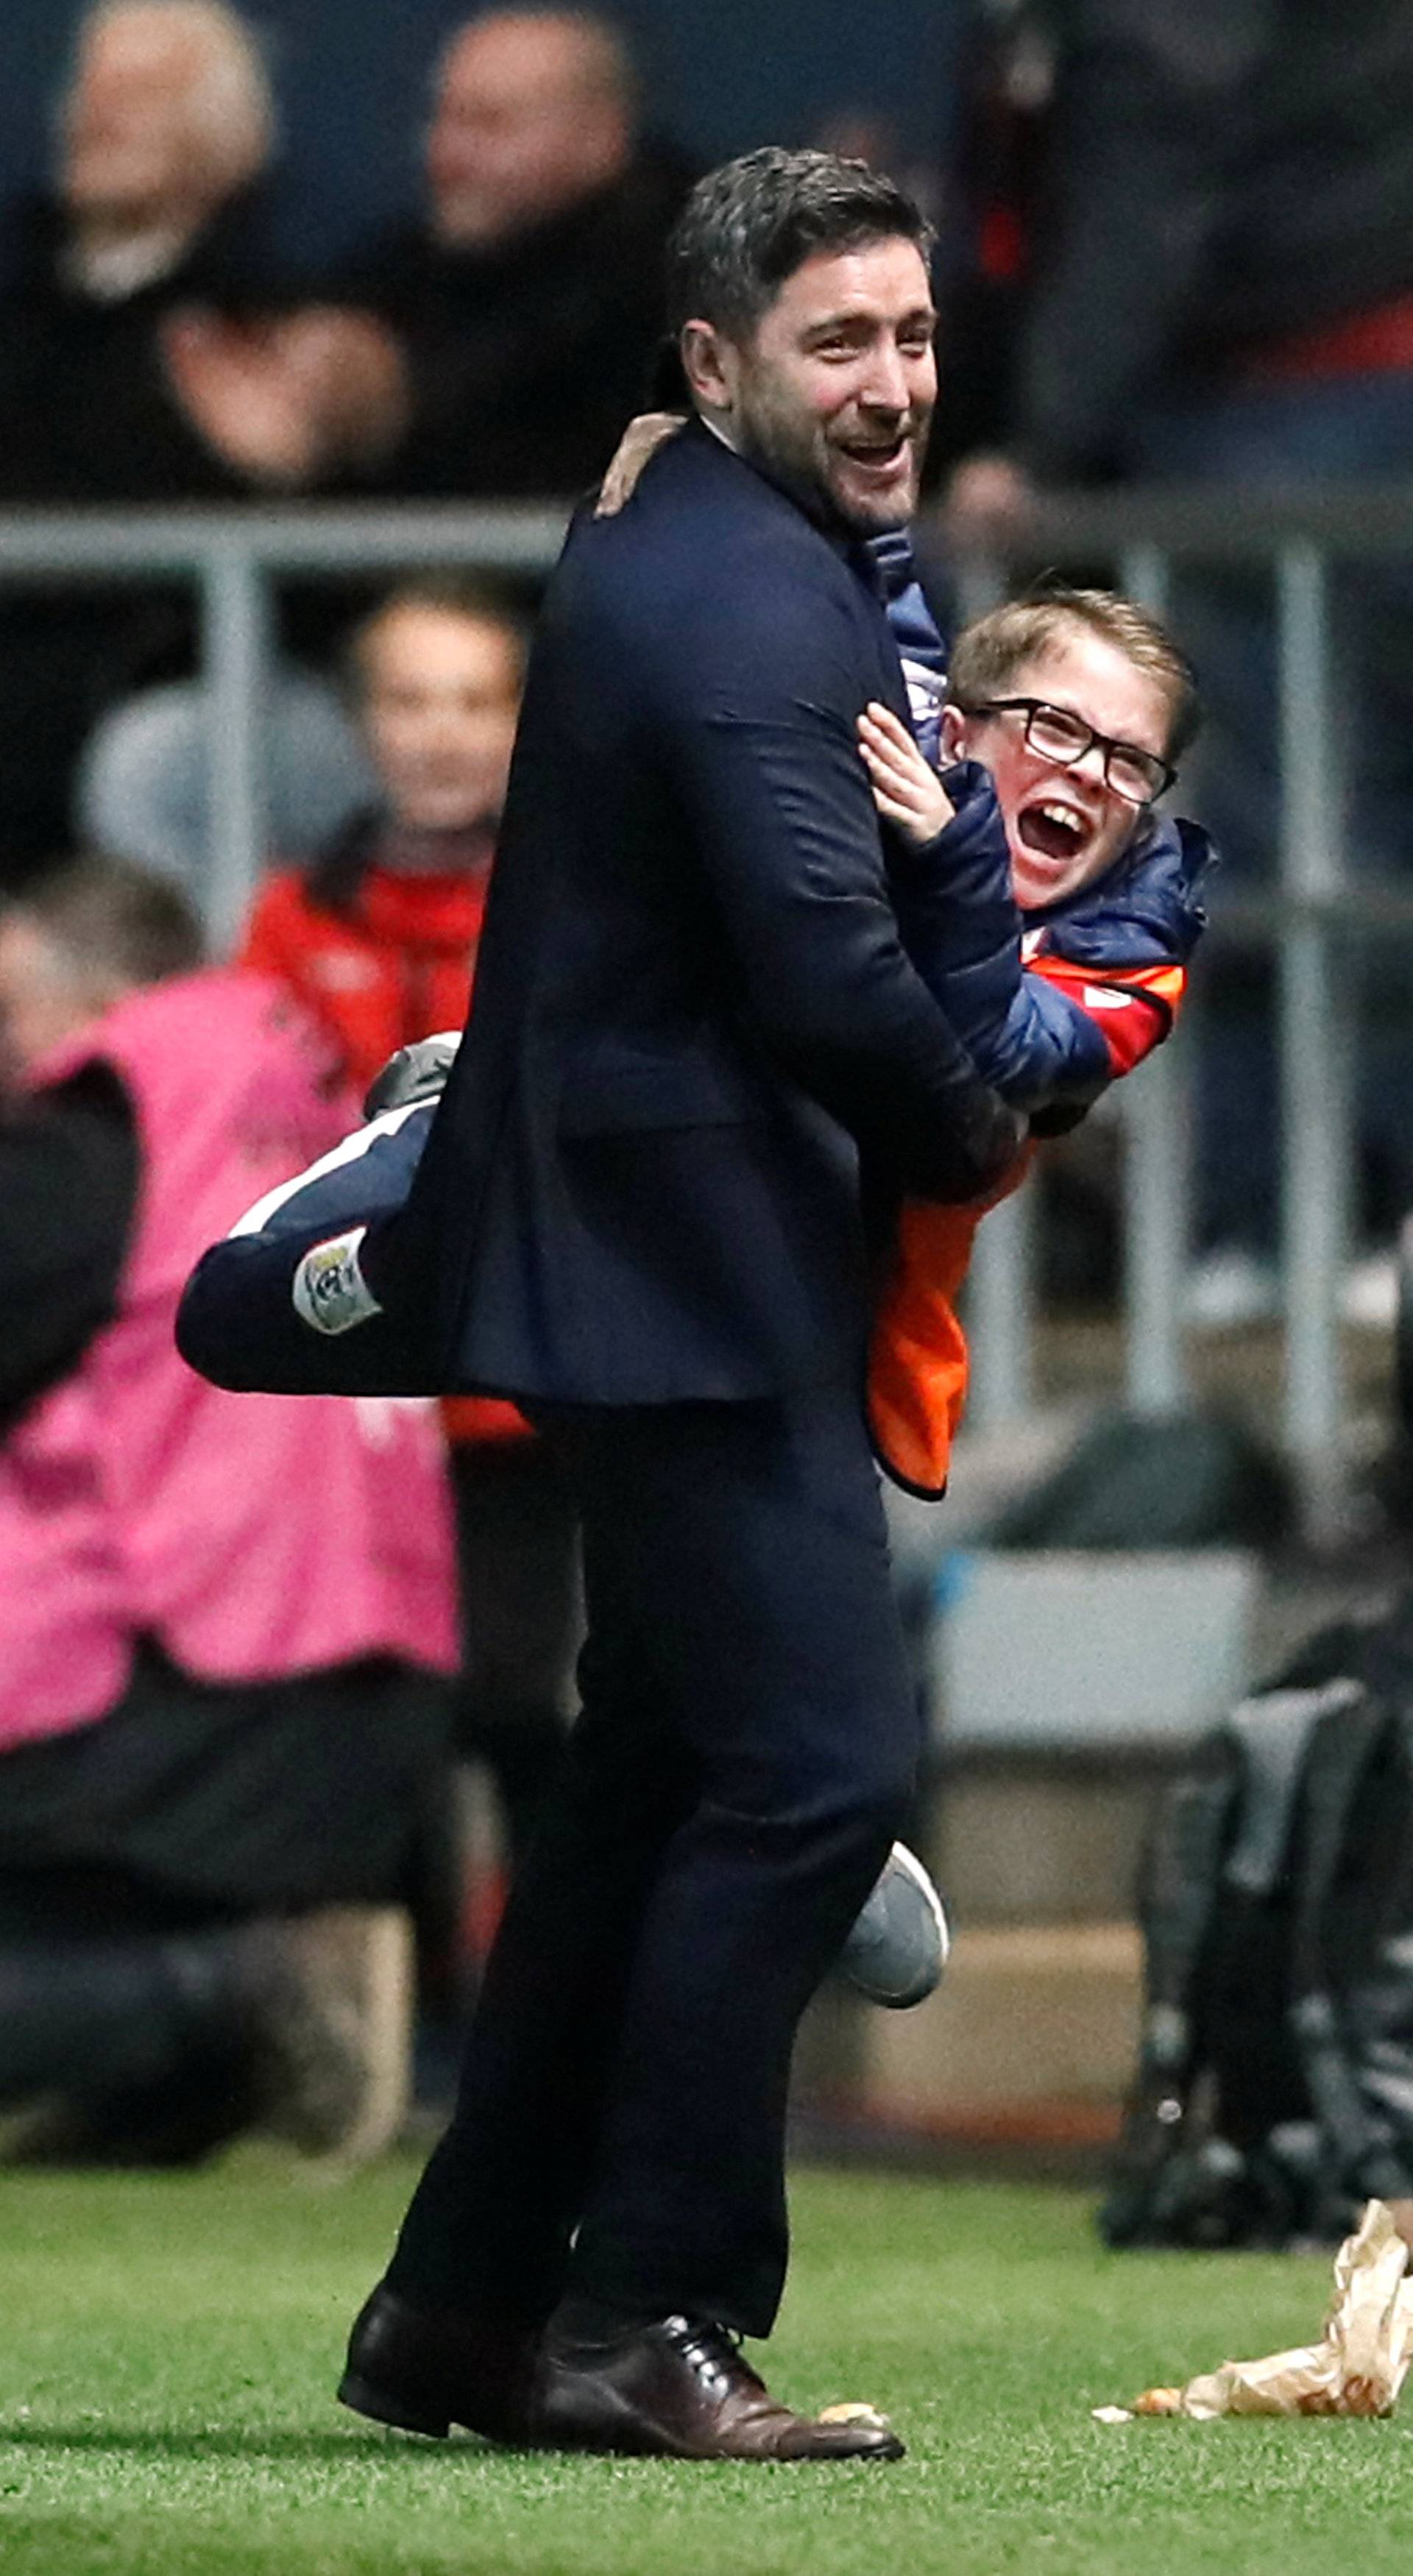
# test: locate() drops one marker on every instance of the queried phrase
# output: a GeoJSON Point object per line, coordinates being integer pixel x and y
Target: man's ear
{"type": "Point", "coordinates": [954, 734]}
{"type": "Point", "coordinates": [711, 366]}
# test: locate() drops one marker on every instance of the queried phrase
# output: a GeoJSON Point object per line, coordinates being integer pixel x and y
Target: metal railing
{"type": "Point", "coordinates": [1307, 918]}
{"type": "Point", "coordinates": [233, 558]}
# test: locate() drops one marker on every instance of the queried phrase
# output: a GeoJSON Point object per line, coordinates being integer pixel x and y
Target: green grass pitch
{"type": "Point", "coordinates": [168, 2348]}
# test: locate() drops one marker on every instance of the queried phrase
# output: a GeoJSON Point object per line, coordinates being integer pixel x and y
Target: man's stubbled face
{"type": "Point", "coordinates": [834, 391]}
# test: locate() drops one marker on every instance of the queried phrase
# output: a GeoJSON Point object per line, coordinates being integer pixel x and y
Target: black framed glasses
{"type": "Point", "coordinates": [1137, 776]}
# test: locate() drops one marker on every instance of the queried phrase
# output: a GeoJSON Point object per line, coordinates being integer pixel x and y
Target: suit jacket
{"type": "Point", "coordinates": [692, 1006]}
{"type": "Point", "coordinates": [692, 1001]}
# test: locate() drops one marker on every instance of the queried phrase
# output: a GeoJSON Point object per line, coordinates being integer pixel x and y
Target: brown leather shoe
{"type": "Point", "coordinates": [681, 2391]}
{"type": "Point", "coordinates": [425, 2373]}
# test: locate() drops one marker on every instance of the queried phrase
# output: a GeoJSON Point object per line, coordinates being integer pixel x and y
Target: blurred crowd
{"type": "Point", "coordinates": [1190, 264]}
{"type": "Point", "coordinates": [153, 349]}
{"type": "Point", "coordinates": [1175, 245]}
{"type": "Point", "coordinates": [247, 1643]}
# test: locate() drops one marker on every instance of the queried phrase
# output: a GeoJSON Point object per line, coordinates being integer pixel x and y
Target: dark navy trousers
{"type": "Point", "coordinates": [747, 1749]}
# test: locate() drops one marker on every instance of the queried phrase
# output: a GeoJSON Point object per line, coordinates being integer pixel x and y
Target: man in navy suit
{"type": "Point", "coordinates": [698, 1062]}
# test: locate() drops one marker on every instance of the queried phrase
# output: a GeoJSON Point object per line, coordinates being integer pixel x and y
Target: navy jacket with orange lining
{"type": "Point", "coordinates": [1053, 1006]}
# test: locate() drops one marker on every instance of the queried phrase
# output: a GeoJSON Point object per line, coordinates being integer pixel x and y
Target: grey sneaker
{"type": "Point", "coordinates": [898, 1947]}
{"type": "Point", "coordinates": [416, 1072]}
{"type": "Point", "coordinates": [326, 2001]}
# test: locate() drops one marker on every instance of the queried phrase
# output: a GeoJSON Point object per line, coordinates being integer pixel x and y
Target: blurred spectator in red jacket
{"type": "Point", "coordinates": [378, 938]}
{"type": "Point", "coordinates": [529, 295]}
{"type": "Point", "coordinates": [222, 1620]}
{"type": "Point", "coordinates": [378, 932]}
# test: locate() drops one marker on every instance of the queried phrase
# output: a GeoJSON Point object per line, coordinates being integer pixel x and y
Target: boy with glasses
{"type": "Point", "coordinates": [1050, 907]}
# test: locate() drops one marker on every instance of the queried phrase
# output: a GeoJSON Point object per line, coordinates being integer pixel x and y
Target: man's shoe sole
{"type": "Point", "coordinates": [365, 2398]}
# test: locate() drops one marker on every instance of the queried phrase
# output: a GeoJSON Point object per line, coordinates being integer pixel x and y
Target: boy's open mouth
{"type": "Point", "coordinates": [1054, 830]}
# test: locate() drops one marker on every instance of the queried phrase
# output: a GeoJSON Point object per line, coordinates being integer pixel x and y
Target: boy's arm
{"type": "Point", "coordinates": [289, 1303]}
{"type": "Point", "coordinates": [757, 729]}
{"type": "Point", "coordinates": [1131, 1007]}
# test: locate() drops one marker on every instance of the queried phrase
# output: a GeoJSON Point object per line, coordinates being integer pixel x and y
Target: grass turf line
{"type": "Point", "coordinates": [169, 2348]}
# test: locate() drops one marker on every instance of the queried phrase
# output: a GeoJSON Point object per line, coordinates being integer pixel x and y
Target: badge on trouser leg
{"type": "Point", "coordinates": [329, 1290]}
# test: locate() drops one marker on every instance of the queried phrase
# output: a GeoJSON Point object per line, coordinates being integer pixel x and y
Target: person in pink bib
{"type": "Point", "coordinates": [221, 1624]}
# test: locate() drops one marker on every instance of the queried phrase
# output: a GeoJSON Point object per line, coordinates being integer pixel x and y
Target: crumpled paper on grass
{"type": "Point", "coordinates": [1357, 2368]}
{"type": "Point", "coordinates": [853, 2412]}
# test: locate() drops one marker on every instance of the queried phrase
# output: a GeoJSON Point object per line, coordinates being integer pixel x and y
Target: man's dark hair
{"type": "Point", "coordinates": [111, 917]}
{"type": "Point", "coordinates": [750, 224]}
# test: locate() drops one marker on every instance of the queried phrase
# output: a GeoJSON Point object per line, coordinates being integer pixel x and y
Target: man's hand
{"type": "Point", "coordinates": [289, 398]}
{"type": "Point", "coordinates": [641, 439]}
{"type": "Point", "coordinates": [905, 788]}
{"type": "Point", "coordinates": [350, 372]}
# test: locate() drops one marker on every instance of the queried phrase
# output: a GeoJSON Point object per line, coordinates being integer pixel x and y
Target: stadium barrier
{"type": "Point", "coordinates": [1308, 917]}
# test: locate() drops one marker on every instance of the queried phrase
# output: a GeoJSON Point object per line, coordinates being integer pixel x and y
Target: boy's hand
{"type": "Point", "coordinates": [904, 787]}
{"type": "Point", "coordinates": [641, 439]}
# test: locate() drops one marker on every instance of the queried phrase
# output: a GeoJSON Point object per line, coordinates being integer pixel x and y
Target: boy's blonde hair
{"type": "Point", "coordinates": [987, 654]}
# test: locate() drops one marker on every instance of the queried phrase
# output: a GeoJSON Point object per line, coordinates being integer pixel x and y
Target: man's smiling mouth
{"type": "Point", "coordinates": [877, 454]}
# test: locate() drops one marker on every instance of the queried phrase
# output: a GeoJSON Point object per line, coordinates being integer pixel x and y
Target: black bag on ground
{"type": "Point", "coordinates": [1274, 2090]}
{"type": "Point", "coordinates": [1196, 1479]}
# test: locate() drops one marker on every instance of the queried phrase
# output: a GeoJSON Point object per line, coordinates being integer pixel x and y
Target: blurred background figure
{"type": "Point", "coordinates": [162, 136]}
{"type": "Point", "coordinates": [1219, 238]}
{"type": "Point", "coordinates": [866, 134]}
{"type": "Point", "coordinates": [377, 932]}
{"type": "Point", "coordinates": [991, 227]}
{"type": "Point", "coordinates": [222, 1622]}
{"type": "Point", "coordinates": [157, 349]}
{"type": "Point", "coordinates": [149, 351]}
{"type": "Point", "coordinates": [143, 785]}
{"type": "Point", "coordinates": [527, 297]}
{"type": "Point", "coordinates": [377, 936]}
